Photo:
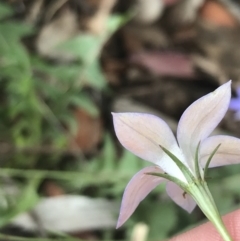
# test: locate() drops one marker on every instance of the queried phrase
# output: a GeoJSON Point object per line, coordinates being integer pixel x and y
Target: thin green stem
{"type": "Point", "coordinates": [196, 163]}
{"type": "Point", "coordinates": [209, 160]}
{"type": "Point", "coordinates": [170, 178]}
{"type": "Point", "coordinates": [203, 198]}
{"type": "Point", "coordinates": [16, 238]}
{"type": "Point", "coordinates": [85, 177]}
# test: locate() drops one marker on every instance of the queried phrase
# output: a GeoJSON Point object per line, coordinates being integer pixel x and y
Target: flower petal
{"type": "Point", "coordinates": [201, 118]}
{"type": "Point", "coordinates": [142, 134]}
{"type": "Point", "coordinates": [137, 189]}
{"type": "Point", "coordinates": [227, 154]}
{"type": "Point", "coordinates": [181, 198]}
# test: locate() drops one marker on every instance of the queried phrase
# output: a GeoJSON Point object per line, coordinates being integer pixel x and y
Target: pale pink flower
{"type": "Point", "coordinates": [145, 134]}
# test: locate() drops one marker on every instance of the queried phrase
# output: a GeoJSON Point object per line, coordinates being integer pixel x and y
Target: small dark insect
{"type": "Point", "coordinates": [184, 195]}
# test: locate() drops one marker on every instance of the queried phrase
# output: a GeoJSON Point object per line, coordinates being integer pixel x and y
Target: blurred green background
{"type": "Point", "coordinates": [64, 66]}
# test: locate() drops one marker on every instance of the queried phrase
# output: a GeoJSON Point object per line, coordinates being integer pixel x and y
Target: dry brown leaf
{"type": "Point", "coordinates": [147, 12]}
{"type": "Point", "coordinates": [219, 46]}
{"type": "Point", "coordinates": [184, 12]}
{"type": "Point", "coordinates": [61, 29]}
{"type": "Point", "coordinates": [53, 8]}
{"type": "Point", "coordinates": [97, 23]}
{"type": "Point", "coordinates": [34, 12]}
{"type": "Point", "coordinates": [216, 13]}
{"type": "Point", "coordinates": [166, 63]}
{"type": "Point", "coordinates": [89, 131]}
{"type": "Point", "coordinates": [52, 189]}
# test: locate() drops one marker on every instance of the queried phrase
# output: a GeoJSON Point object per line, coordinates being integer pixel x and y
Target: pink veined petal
{"type": "Point", "coordinates": [201, 118]}
{"type": "Point", "coordinates": [142, 134]}
{"type": "Point", "coordinates": [234, 104]}
{"type": "Point", "coordinates": [137, 189]}
{"type": "Point", "coordinates": [184, 200]}
{"type": "Point", "coordinates": [227, 154]}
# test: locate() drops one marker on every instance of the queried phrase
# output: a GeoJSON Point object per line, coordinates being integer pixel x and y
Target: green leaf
{"type": "Point", "coordinates": [83, 101]}
{"type": "Point", "coordinates": [92, 166]}
{"type": "Point", "coordinates": [160, 216]}
{"type": "Point", "coordinates": [160, 227]}
{"type": "Point", "coordinates": [116, 21]}
{"type": "Point", "coordinates": [230, 183]}
{"type": "Point", "coordinates": [15, 30]}
{"type": "Point", "coordinates": [224, 197]}
{"type": "Point", "coordinates": [5, 11]}
{"type": "Point", "coordinates": [70, 122]}
{"type": "Point", "coordinates": [26, 201]}
{"type": "Point", "coordinates": [88, 46]}
{"type": "Point", "coordinates": [109, 155]}
{"type": "Point", "coordinates": [130, 163]}
{"type": "Point", "coordinates": [85, 46]}
{"type": "Point", "coordinates": [94, 77]}
{"type": "Point", "coordinates": [66, 73]}
{"type": "Point", "coordinates": [109, 151]}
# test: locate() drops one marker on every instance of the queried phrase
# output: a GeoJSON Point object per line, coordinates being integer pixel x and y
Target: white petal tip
{"type": "Point", "coordinates": [119, 225]}
{"type": "Point", "coordinates": [190, 209]}
{"type": "Point", "coordinates": [227, 85]}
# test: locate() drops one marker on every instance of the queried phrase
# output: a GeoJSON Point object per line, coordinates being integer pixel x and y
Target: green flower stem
{"type": "Point", "coordinates": [203, 198]}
